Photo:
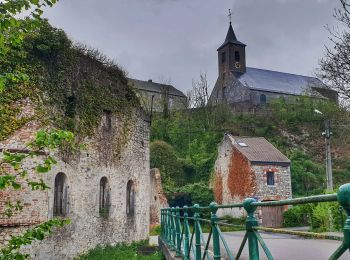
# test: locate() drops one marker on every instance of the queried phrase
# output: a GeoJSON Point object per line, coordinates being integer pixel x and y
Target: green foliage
{"type": "Point", "coordinates": [307, 175]}
{"type": "Point", "coordinates": [49, 140]}
{"type": "Point", "coordinates": [77, 99]}
{"type": "Point", "coordinates": [155, 231]}
{"type": "Point", "coordinates": [11, 250]}
{"type": "Point", "coordinates": [193, 136]}
{"type": "Point", "coordinates": [175, 171]}
{"type": "Point", "coordinates": [122, 252]}
{"type": "Point", "coordinates": [12, 31]}
{"type": "Point", "coordinates": [190, 194]}
{"type": "Point", "coordinates": [298, 216]}
{"type": "Point", "coordinates": [327, 217]}
{"type": "Point", "coordinates": [322, 217]}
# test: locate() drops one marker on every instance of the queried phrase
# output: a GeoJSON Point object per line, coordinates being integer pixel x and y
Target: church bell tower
{"type": "Point", "coordinates": [231, 54]}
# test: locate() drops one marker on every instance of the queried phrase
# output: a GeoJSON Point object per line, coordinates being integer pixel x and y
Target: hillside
{"type": "Point", "coordinates": [184, 143]}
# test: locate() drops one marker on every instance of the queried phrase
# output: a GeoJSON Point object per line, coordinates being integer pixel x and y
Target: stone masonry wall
{"type": "Point", "coordinates": [88, 229]}
{"type": "Point", "coordinates": [282, 188]}
{"type": "Point", "coordinates": [157, 197]}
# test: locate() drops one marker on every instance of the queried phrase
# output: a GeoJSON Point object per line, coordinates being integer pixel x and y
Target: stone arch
{"type": "Point", "coordinates": [60, 203]}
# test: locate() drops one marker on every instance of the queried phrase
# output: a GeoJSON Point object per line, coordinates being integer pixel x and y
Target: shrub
{"type": "Point", "coordinates": [297, 216]}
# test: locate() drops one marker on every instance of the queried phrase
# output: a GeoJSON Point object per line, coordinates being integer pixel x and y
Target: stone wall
{"type": "Point", "coordinates": [220, 185]}
{"type": "Point", "coordinates": [120, 155]}
{"type": "Point", "coordinates": [282, 188]}
{"type": "Point", "coordinates": [157, 197]}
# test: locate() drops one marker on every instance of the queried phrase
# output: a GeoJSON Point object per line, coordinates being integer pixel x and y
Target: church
{"type": "Point", "coordinates": [246, 88]}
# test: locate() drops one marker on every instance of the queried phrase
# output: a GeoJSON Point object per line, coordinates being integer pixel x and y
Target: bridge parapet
{"type": "Point", "coordinates": [176, 229]}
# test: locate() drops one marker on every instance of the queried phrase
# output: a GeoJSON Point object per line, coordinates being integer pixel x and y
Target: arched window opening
{"type": "Point", "coordinates": [104, 197]}
{"type": "Point", "coordinates": [130, 199]}
{"type": "Point", "coordinates": [262, 99]}
{"type": "Point", "coordinates": [237, 56]}
{"type": "Point", "coordinates": [60, 204]}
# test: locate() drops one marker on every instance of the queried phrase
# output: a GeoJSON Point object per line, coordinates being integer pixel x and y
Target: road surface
{"type": "Point", "coordinates": [285, 247]}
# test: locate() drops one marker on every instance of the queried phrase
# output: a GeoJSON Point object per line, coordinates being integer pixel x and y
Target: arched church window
{"type": "Point", "coordinates": [104, 197]}
{"type": "Point", "coordinates": [262, 99]}
{"type": "Point", "coordinates": [237, 56]}
{"type": "Point", "coordinates": [223, 57]}
{"type": "Point", "coordinates": [130, 199]}
{"type": "Point", "coordinates": [60, 204]}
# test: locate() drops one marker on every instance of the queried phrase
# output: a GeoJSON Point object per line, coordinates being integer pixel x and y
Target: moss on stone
{"type": "Point", "coordinates": [71, 86]}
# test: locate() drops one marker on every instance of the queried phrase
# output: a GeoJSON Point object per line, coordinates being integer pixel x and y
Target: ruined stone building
{"type": "Point", "coordinates": [246, 88]}
{"type": "Point", "coordinates": [251, 167]}
{"type": "Point", "coordinates": [158, 96]}
{"type": "Point", "coordinates": [103, 187]}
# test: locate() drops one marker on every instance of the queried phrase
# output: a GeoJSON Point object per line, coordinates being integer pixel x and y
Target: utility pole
{"type": "Point", "coordinates": [327, 135]}
{"type": "Point", "coordinates": [327, 138]}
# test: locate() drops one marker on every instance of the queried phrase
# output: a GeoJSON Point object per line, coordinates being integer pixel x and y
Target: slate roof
{"type": "Point", "coordinates": [274, 81]}
{"type": "Point", "coordinates": [155, 87]}
{"type": "Point", "coordinates": [231, 38]}
{"type": "Point", "coordinates": [258, 149]}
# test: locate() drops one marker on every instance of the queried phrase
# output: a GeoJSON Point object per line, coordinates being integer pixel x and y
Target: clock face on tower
{"type": "Point", "coordinates": [237, 65]}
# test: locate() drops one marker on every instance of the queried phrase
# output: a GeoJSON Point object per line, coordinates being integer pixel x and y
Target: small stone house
{"type": "Point", "coordinates": [251, 167]}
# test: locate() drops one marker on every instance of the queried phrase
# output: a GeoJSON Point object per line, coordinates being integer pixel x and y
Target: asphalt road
{"type": "Point", "coordinates": [285, 247]}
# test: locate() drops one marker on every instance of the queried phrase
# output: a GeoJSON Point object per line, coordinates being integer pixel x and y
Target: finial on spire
{"type": "Point", "coordinates": [230, 15]}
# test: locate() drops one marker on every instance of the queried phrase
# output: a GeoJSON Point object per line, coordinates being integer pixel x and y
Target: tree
{"type": "Point", "coordinates": [198, 97]}
{"type": "Point", "coordinates": [335, 65]}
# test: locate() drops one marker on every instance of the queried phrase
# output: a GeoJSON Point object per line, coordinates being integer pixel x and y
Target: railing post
{"type": "Point", "coordinates": [178, 231]}
{"type": "Point", "coordinates": [198, 232]}
{"type": "Point", "coordinates": [165, 225]}
{"type": "Point", "coordinates": [215, 232]}
{"type": "Point", "coordinates": [344, 201]}
{"type": "Point", "coordinates": [168, 227]}
{"type": "Point", "coordinates": [250, 223]}
{"type": "Point", "coordinates": [186, 234]}
{"type": "Point", "coordinates": [161, 224]}
{"type": "Point", "coordinates": [173, 229]}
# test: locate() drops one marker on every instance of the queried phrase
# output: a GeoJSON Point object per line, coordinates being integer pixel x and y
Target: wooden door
{"type": "Point", "coordinates": [272, 216]}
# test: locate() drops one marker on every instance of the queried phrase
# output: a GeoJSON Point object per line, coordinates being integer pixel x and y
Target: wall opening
{"type": "Point", "coordinates": [107, 116]}
{"type": "Point", "coordinates": [104, 203]}
{"type": "Point", "coordinates": [60, 204]}
{"type": "Point", "coordinates": [270, 178]}
{"type": "Point", "coordinates": [237, 56]}
{"type": "Point", "coordinates": [263, 99]}
{"type": "Point", "coordinates": [130, 199]}
{"type": "Point", "coordinates": [223, 57]}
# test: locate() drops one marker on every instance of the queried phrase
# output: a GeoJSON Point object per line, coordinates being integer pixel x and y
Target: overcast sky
{"type": "Point", "coordinates": [177, 39]}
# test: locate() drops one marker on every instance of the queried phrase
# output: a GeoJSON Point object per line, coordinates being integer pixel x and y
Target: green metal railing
{"type": "Point", "coordinates": [176, 224]}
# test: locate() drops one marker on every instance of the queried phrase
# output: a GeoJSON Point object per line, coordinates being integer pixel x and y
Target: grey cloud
{"type": "Point", "coordinates": [178, 39]}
